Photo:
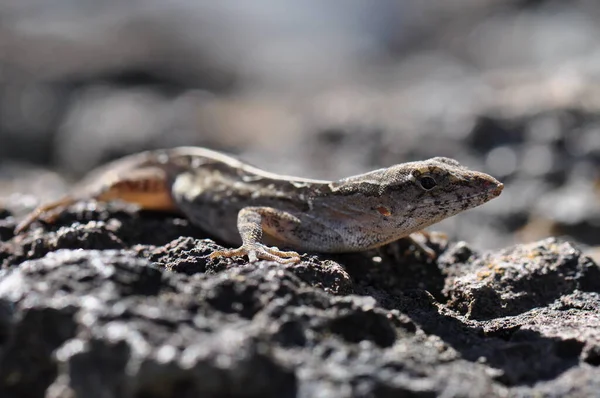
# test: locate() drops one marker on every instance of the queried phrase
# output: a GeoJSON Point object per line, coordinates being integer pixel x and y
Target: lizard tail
{"type": "Point", "coordinates": [43, 210]}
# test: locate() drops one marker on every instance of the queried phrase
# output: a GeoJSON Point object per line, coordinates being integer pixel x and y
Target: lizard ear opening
{"type": "Point", "coordinates": [427, 182]}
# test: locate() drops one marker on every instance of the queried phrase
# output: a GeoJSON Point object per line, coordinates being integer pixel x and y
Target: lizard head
{"type": "Point", "coordinates": [425, 192]}
{"type": "Point", "coordinates": [371, 209]}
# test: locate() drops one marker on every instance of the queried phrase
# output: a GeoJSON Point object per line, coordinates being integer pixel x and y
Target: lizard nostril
{"type": "Point", "coordinates": [494, 187]}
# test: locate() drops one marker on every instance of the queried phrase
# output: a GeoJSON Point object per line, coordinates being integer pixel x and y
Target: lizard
{"type": "Point", "coordinates": [260, 211]}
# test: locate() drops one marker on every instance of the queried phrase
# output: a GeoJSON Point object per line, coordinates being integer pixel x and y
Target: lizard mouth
{"type": "Point", "coordinates": [491, 193]}
{"type": "Point", "coordinates": [497, 190]}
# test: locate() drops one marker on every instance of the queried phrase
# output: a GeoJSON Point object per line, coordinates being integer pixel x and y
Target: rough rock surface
{"type": "Point", "coordinates": [123, 304]}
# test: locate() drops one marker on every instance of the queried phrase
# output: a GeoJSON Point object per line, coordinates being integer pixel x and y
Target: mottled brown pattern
{"type": "Point", "coordinates": [246, 206]}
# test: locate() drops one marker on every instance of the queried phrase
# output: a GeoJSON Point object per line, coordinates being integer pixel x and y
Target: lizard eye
{"type": "Point", "coordinates": [427, 183]}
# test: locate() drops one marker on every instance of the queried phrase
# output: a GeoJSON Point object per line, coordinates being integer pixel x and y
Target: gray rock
{"type": "Point", "coordinates": [147, 314]}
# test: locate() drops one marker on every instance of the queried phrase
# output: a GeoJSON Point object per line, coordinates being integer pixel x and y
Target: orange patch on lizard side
{"type": "Point", "coordinates": [148, 194]}
{"type": "Point", "coordinates": [384, 211]}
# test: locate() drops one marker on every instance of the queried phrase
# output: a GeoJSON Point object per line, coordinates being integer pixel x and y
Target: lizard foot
{"type": "Point", "coordinates": [419, 239]}
{"type": "Point", "coordinates": [259, 252]}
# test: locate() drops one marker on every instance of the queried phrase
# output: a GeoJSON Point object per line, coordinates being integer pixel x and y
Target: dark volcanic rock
{"type": "Point", "coordinates": [7, 225]}
{"type": "Point", "coordinates": [515, 280]}
{"type": "Point", "coordinates": [142, 312]}
{"type": "Point", "coordinates": [109, 302]}
{"type": "Point", "coordinates": [135, 330]}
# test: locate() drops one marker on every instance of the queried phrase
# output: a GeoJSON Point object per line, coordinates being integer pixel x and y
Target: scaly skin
{"type": "Point", "coordinates": [246, 206]}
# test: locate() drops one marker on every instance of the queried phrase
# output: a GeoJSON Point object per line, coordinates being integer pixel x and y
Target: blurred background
{"type": "Point", "coordinates": [316, 89]}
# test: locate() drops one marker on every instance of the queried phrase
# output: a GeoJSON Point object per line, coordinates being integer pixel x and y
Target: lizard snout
{"type": "Point", "coordinates": [486, 183]}
{"type": "Point", "coordinates": [499, 188]}
{"type": "Point", "coordinates": [492, 185]}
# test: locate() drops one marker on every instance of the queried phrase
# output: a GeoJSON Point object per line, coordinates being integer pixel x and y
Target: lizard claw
{"type": "Point", "coordinates": [259, 252]}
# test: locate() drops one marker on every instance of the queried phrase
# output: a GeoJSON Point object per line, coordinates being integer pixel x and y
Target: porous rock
{"type": "Point", "coordinates": [147, 314]}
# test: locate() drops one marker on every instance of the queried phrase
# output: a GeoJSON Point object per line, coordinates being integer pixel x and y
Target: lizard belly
{"type": "Point", "coordinates": [219, 221]}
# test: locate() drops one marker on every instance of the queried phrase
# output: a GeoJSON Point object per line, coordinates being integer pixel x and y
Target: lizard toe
{"type": "Point", "coordinates": [280, 253]}
{"type": "Point", "coordinates": [258, 252]}
{"type": "Point", "coordinates": [272, 254]}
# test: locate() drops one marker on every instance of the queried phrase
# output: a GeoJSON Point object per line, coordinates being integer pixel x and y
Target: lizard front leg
{"type": "Point", "coordinates": [251, 223]}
